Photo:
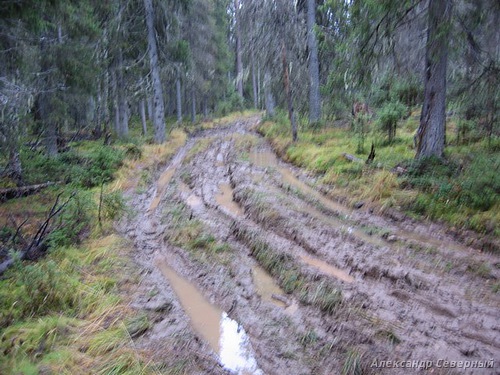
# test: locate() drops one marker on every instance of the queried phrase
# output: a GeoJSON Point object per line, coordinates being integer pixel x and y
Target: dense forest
{"type": "Point", "coordinates": [389, 108]}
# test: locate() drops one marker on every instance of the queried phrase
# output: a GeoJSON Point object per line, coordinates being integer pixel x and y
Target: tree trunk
{"type": "Point", "coordinates": [254, 85]}
{"type": "Point", "coordinates": [286, 80]}
{"type": "Point", "coordinates": [142, 112]}
{"type": "Point", "coordinates": [312, 43]}
{"type": "Point", "coordinates": [116, 100]}
{"type": "Point", "coordinates": [193, 105]}
{"type": "Point", "coordinates": [239, 62]}
{"type": "Point", "coordinates": [159, 109]}
{"type": "Point", "coordinates": [178, 92]}
{"type": "Point", "coordinates": [122, 129]}
{"type": "Point", "coordinates": [430, 135]}
{"type": "Point", "coordinates": [149, 103]}
{"type": "Point", "coordinates": [46, 101]}
{"type": "Point", "coordinates": [268, 94]}
{"type": "Point", "coordinates": [205, 107]}
{"type": "Point", "coordinates": [14, 169]}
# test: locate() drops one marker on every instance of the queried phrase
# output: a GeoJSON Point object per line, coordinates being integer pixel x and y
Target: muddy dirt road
{"type": "Point", "coordinates": [249, 269]}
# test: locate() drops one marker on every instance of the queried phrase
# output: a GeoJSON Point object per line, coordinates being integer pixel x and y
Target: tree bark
{"type": "Point", "coordinates": [14, 169]}
{"type": "Point", "coordinates": [286, 80]}
{"type": "Point", "coordinates": [193, 105]}
{"type": "Point", "coordinates": [46, 101]}
{"type": "Point", "coordinates": [142, 112]}
{"type": "Point", "coordinates": [239, 61]}
{"type": "Point", "coordinates": [268, 94]}
{"type": "Point", "coordinates": [149, 103]}
{"type": "Point", "coordinates": [122, 129]}
{"type": "Point", "coordinates": [159, 109]}
{"type": "Point", "coordinates": [254, 85]}
{"type": "Point", "coordinates": [430, 136]}
{"type": "Point", "coordinates": [178, 96]}
{"type": "Point", "coordinates": [312, 43]}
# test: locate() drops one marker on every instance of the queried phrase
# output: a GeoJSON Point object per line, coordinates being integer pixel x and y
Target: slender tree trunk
{"type": "Point", "coordinates": [14, 168]}
{"type": "Point", "coordinates": [149, 103]}
{"type": "Point", "coordinates": [114, 92]}
{"type": "Point", "coordinates": [46, 101]}
{"type": "Point", "coordinates": [286, 80]}
{"type": "Point", "coordinates": [312, 43]}
{"type": "Point", "coordinates": [259, 101]}
{"type": "Point", "coordinates": [254, 85]}
{"type": "Point", "coordinates": [159, 109]}
{"type": "Point", "coordinates": [193, 105]}
{"type": "Point", "coordinates": [268, 94]}
{"type": "Point", "coordinates": [178, 92]}
{"type": "Point", "coordinates": [122, 129]}
{"type": "Point", "coordinates": [430, 137]}
{"type": "Point", "coordinates": [142, 112]}
{"type": "Point", "coordinates": [239, 61]}
{"type": "Point", "coordinates": [205, 107]}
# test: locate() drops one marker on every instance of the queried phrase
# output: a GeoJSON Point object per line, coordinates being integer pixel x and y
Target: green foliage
{"type": "Point", "coordinates": [353, 363]}
{"type": "Point", "coordinates": [113, 205]}
{"type": "Point", "coordinates": [179, 51]}
{"type": "Point", "coordinates": [388, 117]}
{"type": "Point", "coordinates": [476, 185]}
{"type": "Point", "coordinates": [82, 168]}
{"type": "Point", "coordinates": [38, 289]}
{"type": "Point", "coordinates": [133, 151]}
{"type": "Point", "coordinates": [99, 166]}
{"type": "Point", "coordinates": [232, 103]}
{"type": "Point", "coordinates": [73, 220]}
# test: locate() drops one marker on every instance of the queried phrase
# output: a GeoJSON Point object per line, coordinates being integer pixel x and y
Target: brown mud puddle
{"type": "Point", "coordinates": [226, 337]}
{"type": "Point", "coordinates": [267, 158]}
{"type": "Point", "coordinates": [327, 269]}
{"type": "Point", "coordinates": [192, 200]}
{"type": "Point", "coordinates": [225, 199]}
{"type": "Point", "coordinates": [161, 187]}
{"type": "Point", "coordinates": [266, 287]}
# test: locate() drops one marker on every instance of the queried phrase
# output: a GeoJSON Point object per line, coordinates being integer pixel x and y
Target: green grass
{"type": "Point", "coordinates": [310, 289]}
{"type": "Point", "coordinates": [66, 313]}
{"type": "Point", "coordinates": [463, 190]}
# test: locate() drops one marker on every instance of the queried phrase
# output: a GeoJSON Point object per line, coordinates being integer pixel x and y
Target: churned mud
{"type": "Point", "coordinates": [249, 268]}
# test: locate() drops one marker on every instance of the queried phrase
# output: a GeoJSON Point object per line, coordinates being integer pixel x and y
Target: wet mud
{"type": "Point", "coordinates": [313, 286]}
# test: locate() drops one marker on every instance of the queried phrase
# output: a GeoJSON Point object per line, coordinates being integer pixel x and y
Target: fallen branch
{"type": "Point", "coordinates": [16, 192]}
{"type": "Point", "coordinates": [352, 158]}
{"type": "Point", "coordinates": [38, 245]}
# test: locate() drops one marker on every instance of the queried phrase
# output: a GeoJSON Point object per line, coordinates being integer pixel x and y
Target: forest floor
{"type": "Point", "coordinates": [248, 267]}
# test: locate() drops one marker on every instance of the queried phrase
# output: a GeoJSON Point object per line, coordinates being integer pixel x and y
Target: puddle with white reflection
{"type": "Point", "coordinates": [226, 337]}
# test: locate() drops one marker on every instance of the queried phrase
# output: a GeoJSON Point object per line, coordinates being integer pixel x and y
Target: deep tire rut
{"type": "Point", "coordinates": [399, 297]}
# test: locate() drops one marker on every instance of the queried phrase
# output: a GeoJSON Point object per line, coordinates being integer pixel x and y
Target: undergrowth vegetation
{"type": "Point", "coordinates": [69, 311]}
{"type": "Point", "coordinates": [462, 190]}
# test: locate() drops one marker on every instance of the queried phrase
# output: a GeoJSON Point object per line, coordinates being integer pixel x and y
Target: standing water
{"type": "Point", "coordinates": [224, 335]}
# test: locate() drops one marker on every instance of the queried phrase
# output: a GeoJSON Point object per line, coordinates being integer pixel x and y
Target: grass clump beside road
{"type": "Point", "coordinates": [69, 311]}
{"type": "Point", "coordinates": [66, 314]}
{"type": "Point", "coordinates": [462, 190]}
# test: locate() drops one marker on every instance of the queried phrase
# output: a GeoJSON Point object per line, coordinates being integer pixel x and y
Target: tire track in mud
{"type": "Point", "coordinates": [395, 305]}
